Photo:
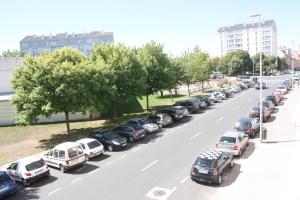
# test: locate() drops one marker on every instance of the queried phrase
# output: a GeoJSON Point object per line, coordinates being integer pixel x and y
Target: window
{"type": "Point", "coordinates": [14, 166]}
{"type": "Point", "coordinates": [93, 144]}
{"type": "Point", "coordinates": [50, 153]}
{"type": "Point", "coordinates": [228, 139]}
{"type": "Point", "coordinates": [72, 152]}
{"type": "Point", "coordinates": [35, 165]}
{"type": "Point", "coordinates": [62, 154]}
{"type": "Point", "coordinates": [55, 154]}
{"type": "Point", "coordinates": [82, 145]}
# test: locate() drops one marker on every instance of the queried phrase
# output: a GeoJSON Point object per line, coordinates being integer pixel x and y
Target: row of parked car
{"type": "Point", "coordinates": [69, 155]}
{"type": "Point", "coordinates": [211, 164]}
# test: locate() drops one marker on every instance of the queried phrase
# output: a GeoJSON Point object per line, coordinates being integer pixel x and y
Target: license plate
{"type": "Point", "coordinates": [38, 172]}
{"type": "Point", "coordinates": [123, 144]}
{"type": "Point", "coordinates": [203, 171]}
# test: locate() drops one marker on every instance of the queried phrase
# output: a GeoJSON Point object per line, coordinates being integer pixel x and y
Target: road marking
{"type": "Point", "coordinates": [94, 171]}
{"type": "Point", "coordinates": [109, 163]}
{"type": "Point", "coordinates": [220, 119]}
{"type": "Point", "coordinates": [54, 191]}
{"type": "Point", "coordinates": [135, 149]}
{"type": "Point", "coordinates": [196, 135]}
{"type": "Point", "coordinates": [184, 179]}
{"type": "Point", "coordinates": [173, 190]}
{"type": "Point", "coordinates": [150, 165]}
{"type": "Point", "coordinates": [237, 107]}
{"type": "Point", "coordinates": [76, 180]}
{"type": "Point", "coordinates": [123, 156]}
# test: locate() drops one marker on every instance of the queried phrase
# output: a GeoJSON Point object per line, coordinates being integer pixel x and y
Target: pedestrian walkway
{"type": "Point", "coordinates": [270, 170]}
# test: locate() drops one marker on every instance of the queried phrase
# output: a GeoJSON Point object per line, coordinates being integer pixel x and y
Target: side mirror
{"type": "Point", "coordinates": [9, 167]}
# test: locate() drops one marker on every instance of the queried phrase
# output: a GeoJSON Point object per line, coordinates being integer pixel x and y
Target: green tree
{"type": "Point", "coordinates": [236, 62]}
{"type": "Point", "coordinates": [13, 53]}
{"type": "Point", "coordinates": [50, 83]}
{"type": "Point", "coordinates": [123, 72]}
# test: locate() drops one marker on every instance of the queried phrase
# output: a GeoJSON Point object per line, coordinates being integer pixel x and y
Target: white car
{"type": "Point", "coordinates": [91, 147]}
{"type": "Point", "coordinates": [233, 142]}
{"type": "Point", "coordinates": [145, 123]}
{"type": "Point", "coordinates": [28, 170]}
{"type": "Point", "coordinates": [65, 156]}
{"type": "Point", "coordinates": [220, 94]}
{"type": "Point", "coordinates": [282, 88]}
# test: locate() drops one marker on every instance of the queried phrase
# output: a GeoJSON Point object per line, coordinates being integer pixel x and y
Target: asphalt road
{"type": "Point", "coordinates": [156, 167]}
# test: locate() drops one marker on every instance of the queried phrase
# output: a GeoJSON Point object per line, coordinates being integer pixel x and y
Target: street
{"type": "Point", "coordinates": [158, 166]}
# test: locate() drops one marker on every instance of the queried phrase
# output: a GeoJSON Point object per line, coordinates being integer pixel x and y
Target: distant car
{"type": "Point", "coordinates": [220, 95]}
{"type": "Point", "coordinates": [200, 102]}
{"type": "Point", "coordinates": [132, 132]}
{"type": "Point", "coordinates": [147, 125]}
{"type": "Point", "coordinates": [279, 94]}
{"type": "Point", "coordinates": [192, 106]}
{"type": "Point", "coordinates": [180, 109]}
{"type": "Point", "coordinates": [65, 156]}
{"type": "Point", "coordinates": [91, 147]}
{"type": "Point", "coordinates": [28, 170]}
{"type": "Point", "coordinates": [215, 98]}
{"type": "Point", "coordinates": [236, 88]}
{"type": "Point", "coordinates": [247, 125]}
{"type": "Point", "coordinates": [227, 92]}
{"type": "Point", "coordinates": [176, 115]}
{"type": "Point", "coordinates": [109, 139]}
{"type": "Point", "coordinates": [161, 119]}
{"type": "Point", "coordinates": [206, 98]}
{"type": "Point", "coordinates": [282, 88]}
{"type": "Point", "coordinates": [248, 82]}
{"type": "Point", "coordinates": [233, 142]}
{"type": "Point", "coordinates": [254, 113]}
{"type": "Point", "coordinates": [243, 85]}
{"type": "Point", "coordinates": [7, 185]}
{"type": "Point", "coordinates": [210, 166]}
{"type": "Point", "coordinates": [275, 99]}
{"type": "Point", "coordinates": [263, 86]}
{"type": "Point", "coordinates": [268, 104]}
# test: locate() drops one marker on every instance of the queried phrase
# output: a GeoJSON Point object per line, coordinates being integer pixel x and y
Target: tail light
{"type": "Point", "coordinates": [215, 172]}
{"type": "Point", "coordinates": [235, 147]}
{"type": "Point", "coordinates": [249, 130]}
{"type": "Point", "coordinates": [218, 145]}
{"type": "Point", "coordinates": [27, 174]}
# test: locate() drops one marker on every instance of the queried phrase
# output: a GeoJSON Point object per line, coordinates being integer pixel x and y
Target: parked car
{"type": "Point", "coordinates": [180, 109]}
{"type": "Point", "coordinates": [233, 142]}
{"type": "Point", "coordinates": [282, 88]}
{"type": "Point", "coordinates": [65, 156]}
{"type": "Point", "coordinates": [192, 106]}
{"type": "Point", "coordinates": [176, 115]}
{"type": "Point", "coordinates": [254, 113]}
{"type": "Point", "coordinates": [133, 132]}
{"type": "Point", "coordinates": [268, 104]}
{"type": "Point", "coordinates": [206, 98]}
{"type": "Point", "coordinates": [91, 147]}
{"type": "Point", "coordinates": [28, 170]}
{"type": "Point", "coordinates": [210, 166]}
{"type": "Point", "coordinates": [263, 86]}
{"type": "Point", "coordinates": [225, 91]}
{"type": "Point", "coordinates": [236, 88]}
{"type": "Point", "coordinates": [160, 119]}
{"type": "Point", "coordinates": [215, 98]}
{"type": "Point", "coordinates": [219, 95]}
{"type": "Point", "coordinates": [275, 99]}
{"type": "Point", "coordinates": [243, 85]}
{"type": "Point", "coordinates": [247, 125]}
{"type": "Point", "coordinates": [200, 102]}
{"type": "Point", "coordinates": [248, 82]}
{"type": "Point", "coordinates": [279, 94]}
{"type": "Point", "coordinates": [7, 185]}
{"type": "Point", "coordinates": [146, 124]}
{"type": "Point", "coordinates": [109, 139]}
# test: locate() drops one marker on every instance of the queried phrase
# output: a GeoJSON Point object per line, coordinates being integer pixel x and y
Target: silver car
{"type": "Point", "coordinates": [233, 142]}
{"type": "Point", "coordinates": [145, 123]}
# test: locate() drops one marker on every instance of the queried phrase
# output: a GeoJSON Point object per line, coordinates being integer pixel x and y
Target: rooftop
{"type": "Point", "coordinates": [246, 26]}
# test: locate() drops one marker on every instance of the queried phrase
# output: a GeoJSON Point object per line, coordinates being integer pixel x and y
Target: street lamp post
{"type": "Point", "coordinates": [260, 76]}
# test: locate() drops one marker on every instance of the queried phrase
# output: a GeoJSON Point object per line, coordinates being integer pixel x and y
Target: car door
{"type": "Point", "coordinates": [12, 171]}
{"type": "Point", "coordinates": [55, 159]}
{"type": "Point", "coordinates": [221, 164]}
{"type": "Point", "coordinates": [48, 158]}
{"type": "Point", "coordinates": [241, 142]}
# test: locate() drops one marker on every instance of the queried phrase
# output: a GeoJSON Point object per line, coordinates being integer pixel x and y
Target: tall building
{"type": "Point", "coordinates": [246, 37]}
{"type": "Point", "coordinates": [34, 45]}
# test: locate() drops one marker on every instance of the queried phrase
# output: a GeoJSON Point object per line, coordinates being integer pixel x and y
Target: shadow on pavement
{"type": "Point", "coordinates": [275, 110]}
{"type": "Point", "coordinates": [272, 118]}
{"type": "Point", "coordinates": [43, 182]}
{"type": "Point", "coordinates": [281, 103]}
{"type": "Point", "coordinates": [25, 194]}
{"type": "Point", "coordinates": [248, 151]}
{"type": "Point", "coordinates": [86, 168]}
{"type": "Point", "coordinates": [99, 158]}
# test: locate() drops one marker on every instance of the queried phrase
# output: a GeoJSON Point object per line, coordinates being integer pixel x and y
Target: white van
{"type": "Point", "coordinates": [91, 147]}
{"type": "Point", "coordinates": [65, 156]}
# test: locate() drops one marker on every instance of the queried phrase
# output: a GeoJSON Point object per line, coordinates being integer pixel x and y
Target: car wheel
{"type": "Point", "coordinates": [219, 181]}
{"type": "Point", "coordinates": [231, 164]}
{"type": "Point", "coordinates": [160, 125]}
{"type": "Point", "coordinates": [62, 168]}
{"type": "Point", "coordinates": [25, 182]}
{"type": "Point", "coordinates": [110, 148]}
{"type": "Point", "coordinates": [131, 139]}
{"type": "Point", "coordinates": [86, 157]}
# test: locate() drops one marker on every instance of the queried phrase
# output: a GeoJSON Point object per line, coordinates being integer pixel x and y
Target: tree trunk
{"type": "Point", "coordinates": [202, 83]}
{"type": "Point", "coordinates": [188, 85]}
{"type": "Point", "coordinates": [115, 111]}
{"type": "Point", "coordinates": [67, 121]}
{"type": "Point", "coordinates": [161, 93]}
{"type": "Point", "coordinates": [171, 95]}
{"type": "Point", "coordinates": [147, 101]}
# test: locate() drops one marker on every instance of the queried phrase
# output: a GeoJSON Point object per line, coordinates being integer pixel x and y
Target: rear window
{"type": "Point", "coordinates": [35, 165]}
{"type": "Point", "coordinates": [228, 139]}
{"type": "Point", "coordinates": [73, 152]}
{"type": "Point", "coordinates": [93, 144]}
{"type": "Point", "coordinates": [4, 178]}
{"type": "Point", "coordinates": [205, 163]}
{"type": "Point", "coordinates": [243, 124]}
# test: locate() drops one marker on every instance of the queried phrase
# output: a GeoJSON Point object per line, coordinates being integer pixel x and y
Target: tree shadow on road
{"type": "Point", "coordinates": [25, 194]}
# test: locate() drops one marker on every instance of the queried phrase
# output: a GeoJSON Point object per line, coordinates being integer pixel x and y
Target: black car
{"type": "Point", "coordinates": [130, 131]}
{"type": "Point", "coordinates": [254, 113]}
{"type": "Point", "coordinates": [192, 106]}
{"type": "Point", "coordinates": [210, 166]}
{"type": "Point", "coordinates": [247, 125]}
{"type": "Point", "coordinates": [273, 98]}
{"type": "Point", "coordinates": [109, 139]}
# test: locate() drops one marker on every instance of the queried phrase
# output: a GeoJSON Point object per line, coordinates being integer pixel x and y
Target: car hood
{"type": "Point", "coordinates": [150, 125]}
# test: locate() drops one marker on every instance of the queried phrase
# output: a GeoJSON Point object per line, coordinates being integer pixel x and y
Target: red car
{"type": "Point", "coordinates": [279, 95]}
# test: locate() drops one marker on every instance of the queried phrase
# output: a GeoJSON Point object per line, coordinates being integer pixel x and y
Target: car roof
{"type": "Point", "coordinates": [86, 140]}
{"type": "Point", "coordinates": [210, 154]}
{"type": "Point", "coordinates": [29, 159]}
{"type": "Point", "coordinates": [66, 145]}
{"type": "Point", "coordinates": [232, 134]}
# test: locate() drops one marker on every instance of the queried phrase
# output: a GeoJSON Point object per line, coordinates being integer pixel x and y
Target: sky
{"type": "Point", "coordinates": [179, 25]}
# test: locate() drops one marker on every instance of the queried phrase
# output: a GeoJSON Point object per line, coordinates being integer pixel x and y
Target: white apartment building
{"type": "Point", "coordinates": [246, 37]}
{"type": "Point", "coordinates": [35, 45]}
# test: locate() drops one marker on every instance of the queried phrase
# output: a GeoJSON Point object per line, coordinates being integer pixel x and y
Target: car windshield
{"type": "Point", "coordinates": [255, 109]}
{"type": "Point", "coordinates": [205, 163]}
{"type": "Point", "coordinates": [143, 121]}
{"type": "Point", "coordinates": [4, 178]}
{"type": "Point", "coordinates": [72, 152]}
{"type": "Point", "coordinates": [93, 144]}
{"type": "Point", "coordinates": [242, 124]}
{"type": "Point", "coordinates": [227, 139]}
{"type": "Point", "coordinates": [35, 165]}
{"type": "Point", "coordinates": [270, 97]}
{"type": "Point", "coordinates": [281, 87]}
{"type": "Point", "coordinates": [110, 136]}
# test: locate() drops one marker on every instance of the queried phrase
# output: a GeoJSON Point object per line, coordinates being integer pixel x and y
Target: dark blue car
{"type": "Point", "coordinates": [7, 186]}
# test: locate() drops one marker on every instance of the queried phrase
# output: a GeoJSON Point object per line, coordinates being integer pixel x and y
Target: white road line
{"type": "Point", "coordinates": [135, 149]}
{"type": "Point", "coordinates": [56, 190]}
{"type": "Point", "coordinates": [173, 190]}
{"type": "Point", "coordinates": [237, 107]}
{"type": "Point", "coordinates": [76, 180]}
{"type": "Point", "coordinates": [123, 156]}
{"type": "Point", "coordinates": [109, 163]}
{"type": "Point", "coordinates": [220, 119]}
{"type": "Point", "coordinates": [150, 165]}
{"type": "Point", "coordinates": [196, 135]}
{"type": "Point", "coordinates": [91, 172]}
{"type": "Point", "coordinates": [184, 179]}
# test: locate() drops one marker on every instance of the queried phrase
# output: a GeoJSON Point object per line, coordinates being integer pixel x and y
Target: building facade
{"type": "Point", "coordinates": [35, 45]}
{"type": "Point", "coordinates": [246, 37]}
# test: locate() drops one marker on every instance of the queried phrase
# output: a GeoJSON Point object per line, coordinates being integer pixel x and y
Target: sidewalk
{"type": "Point", "coordinates": [270, 170]}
